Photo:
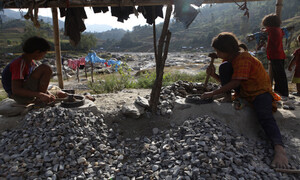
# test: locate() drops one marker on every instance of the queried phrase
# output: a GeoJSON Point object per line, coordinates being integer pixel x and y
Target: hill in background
{"type": "Point", "coordinates": [212, 20]}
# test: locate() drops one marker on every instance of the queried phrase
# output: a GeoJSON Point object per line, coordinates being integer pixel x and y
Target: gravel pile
{"type": "Point", "coordinates": [59, 143]}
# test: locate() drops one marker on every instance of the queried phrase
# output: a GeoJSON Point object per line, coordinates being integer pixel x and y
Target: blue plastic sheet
{"type": "Point", "coordinates": [92, 57]}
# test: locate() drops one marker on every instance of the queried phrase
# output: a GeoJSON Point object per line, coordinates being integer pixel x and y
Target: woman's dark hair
{"type": "Point", "coordinates": [35, 43]}
{"type": "Point", "coordinates": [298, 38]}
{"type": "Point", "coordinates": [228, 43]}
{"type": "Point", "coordinates": [271, 20]}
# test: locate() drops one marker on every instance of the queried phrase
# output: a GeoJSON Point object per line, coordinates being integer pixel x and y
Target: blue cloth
{"type": "Point", "coordinates": [286, 32]}
{"type": "Point", "coordinates": [92, 57]}
{"type": "Point", "coordinates": [114, 63]}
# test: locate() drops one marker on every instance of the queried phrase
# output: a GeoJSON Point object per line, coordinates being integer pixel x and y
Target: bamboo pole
{"type": "Point", "coordinates": [278, 8]}
{"type": "Point", "coordinates": [78, 74]}
{"type": "Point", "coordinates": [92, 71]}
{"type": "Point", "coordinates": [57, 47]}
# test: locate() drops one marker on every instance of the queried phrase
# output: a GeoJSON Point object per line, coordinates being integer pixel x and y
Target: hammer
{"type": "Point", "coordinates": [212, 56]}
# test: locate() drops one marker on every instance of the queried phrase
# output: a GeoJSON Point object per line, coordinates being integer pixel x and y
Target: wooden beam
{"type": "Point", "coordinates": [57, 47]}
{"type": "Point", "coordinates": [278, 8]}
{"type": "Point", "coordinates": [105, 3]}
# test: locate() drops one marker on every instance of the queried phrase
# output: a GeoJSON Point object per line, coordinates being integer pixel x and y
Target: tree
{"type": "Point", "coordinates": [87, 42]}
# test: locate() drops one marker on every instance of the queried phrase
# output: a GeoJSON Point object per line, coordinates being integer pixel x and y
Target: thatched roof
{"type": "Point", "coordinates": [104, 3]}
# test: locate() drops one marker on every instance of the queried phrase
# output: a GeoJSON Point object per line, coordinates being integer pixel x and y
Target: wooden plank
{"type": "Point", "coordinates": [105, 3]}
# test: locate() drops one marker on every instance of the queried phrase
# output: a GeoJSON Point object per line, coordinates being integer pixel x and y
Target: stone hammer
{"type": "Point", "coordinates": [212, 56]}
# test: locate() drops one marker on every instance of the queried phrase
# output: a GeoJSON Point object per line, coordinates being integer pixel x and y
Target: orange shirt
{"type": "Point", "coordinates": [255, 80]}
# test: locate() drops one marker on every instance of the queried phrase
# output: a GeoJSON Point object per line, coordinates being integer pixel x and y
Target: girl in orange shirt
{"type": "Point", "coordinates": [254, 85]}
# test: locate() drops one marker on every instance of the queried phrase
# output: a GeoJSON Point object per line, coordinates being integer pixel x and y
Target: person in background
{"type": "Point", "coordinates": [275, 52]}
{"type": "Point", "coordinates": [248, 74]}
{"type": "Point", "coordinates": [296, 62]}
{"type": "Point", "coordinates": [23, 80]}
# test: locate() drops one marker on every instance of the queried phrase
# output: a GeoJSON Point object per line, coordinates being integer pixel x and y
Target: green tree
{"type": "Point", "coordinates": [87, 42]}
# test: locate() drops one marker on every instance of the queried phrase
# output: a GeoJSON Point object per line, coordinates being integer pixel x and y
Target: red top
{"type": "Point", "coordinates": [275, 47]}
{"type": "Point", "coordinates": [20, 70]}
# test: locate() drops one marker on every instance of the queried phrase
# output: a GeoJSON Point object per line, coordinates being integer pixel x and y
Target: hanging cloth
{"type": "Point", "coordinates": [147, 12]}
{"type": "Point", "coordinates": [74, 24]}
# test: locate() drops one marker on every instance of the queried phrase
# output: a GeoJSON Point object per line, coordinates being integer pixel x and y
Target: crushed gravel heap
{"type": "Point", "coordinates": [59, 143]}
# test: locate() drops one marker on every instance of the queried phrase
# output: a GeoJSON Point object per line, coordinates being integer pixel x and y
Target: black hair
{"type": "Point", "coordinates": [271, 20]}
{"type": "Point", "coordinates": [36, 43]}
{"type": "Point", "coordinates": [228, 43]}
{"type": "Point", "coordinates": [298, 38]}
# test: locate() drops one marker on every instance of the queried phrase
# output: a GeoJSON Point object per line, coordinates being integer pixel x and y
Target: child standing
{"type": "Point", "coordinates": [22, 80]}
{"type": "Point", "coordinates": [275, 52]}
{"type": "Point", "coordinates": [248, 73]}
{"type": "Point", "coordinates": [296, 62]}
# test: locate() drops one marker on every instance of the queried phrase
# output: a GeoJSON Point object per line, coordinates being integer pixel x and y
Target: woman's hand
{"type": "Point", "coordinates": [47, 98]}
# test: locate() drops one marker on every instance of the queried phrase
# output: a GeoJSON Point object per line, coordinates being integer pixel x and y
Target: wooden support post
{"type": "Point", "coordinates": [161, 54]}
{"type": "Point", "coordinates": [57, 47]}
{"type": "Point", "coordinates": [78, 74]}
{"type": "Point", "coordinates": [85, 71]}
{"type": "Point", "coordinates": [278, 8]}
{"type": "Point", "coordinates": [92, 71]}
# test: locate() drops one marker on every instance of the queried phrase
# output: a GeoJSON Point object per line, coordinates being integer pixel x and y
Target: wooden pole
{"type": "Point", "coordinates": [57, 47]}
{"type": "Point", "coordinates": [160, 59]}
{"type": "Point", "coordinates": [278, 8]}
{"type": "Point", "coordinates": [85, 71]}
{"type": "Point", "coordinates": [92, 71]}
{"type": "Point", "coordinates": [78, 74]}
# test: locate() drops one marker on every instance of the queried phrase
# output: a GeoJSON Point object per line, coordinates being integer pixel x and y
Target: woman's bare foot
{"type": "Point", "coordinates": [280, 160]}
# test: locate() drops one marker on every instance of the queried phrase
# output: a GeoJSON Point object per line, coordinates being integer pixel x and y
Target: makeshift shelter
{"type": "Point", "coordinates": [160, 48]}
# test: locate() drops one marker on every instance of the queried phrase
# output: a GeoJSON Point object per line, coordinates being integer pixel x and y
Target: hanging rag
{"type": "Point", "coordinates": [147, 13]}
{"type": "Point", "coordinates": [73, 64]}
{"type": "Point", "coordinates": [122, 12]}
{"type": "Point", "coordinates": [74, 24]}
{"type": "Point", "coordinates": [92, 57]}
{"type": "Point", "coordinates": [100, 9]}
{"type": "Point", "coordinates": [114, 63]}
{"type": "Point", "coordinates": [186, 13]}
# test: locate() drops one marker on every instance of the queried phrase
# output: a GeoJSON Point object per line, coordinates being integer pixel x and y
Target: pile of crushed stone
{"type": "Point", "coordinates": [59, 143]}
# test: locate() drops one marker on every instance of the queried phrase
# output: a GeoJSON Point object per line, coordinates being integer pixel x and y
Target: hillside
{"type": "Point", "coordinates": [211, 20]}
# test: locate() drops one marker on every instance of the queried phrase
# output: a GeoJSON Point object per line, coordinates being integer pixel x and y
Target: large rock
{"type": "Point", "coordinates": [8, 107]}
{"type": "Point", "coordinates": [133, 110]}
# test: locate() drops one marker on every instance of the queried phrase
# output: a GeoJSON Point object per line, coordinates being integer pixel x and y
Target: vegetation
{"type": "Point", "coordinates": [123, 79]}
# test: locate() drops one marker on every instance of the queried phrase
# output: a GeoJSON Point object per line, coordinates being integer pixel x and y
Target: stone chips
{"type": "Point", "coordinates": [60, 143]}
